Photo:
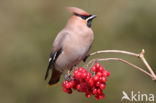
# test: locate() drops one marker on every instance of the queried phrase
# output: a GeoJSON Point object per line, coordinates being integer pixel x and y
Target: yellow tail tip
{"type": "Point", "coordinates": [48, 85]}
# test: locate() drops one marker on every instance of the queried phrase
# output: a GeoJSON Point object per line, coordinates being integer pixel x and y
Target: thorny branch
{"type": "Point", "coordinates": [140, 56]}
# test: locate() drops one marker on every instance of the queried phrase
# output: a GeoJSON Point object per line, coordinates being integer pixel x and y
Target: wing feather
{"type": "Point", "coordinates": [52, 59]}
{"type": "Point", "coordinates": [56, 50]}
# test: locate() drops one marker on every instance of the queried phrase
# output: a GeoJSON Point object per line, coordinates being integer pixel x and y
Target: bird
{"type": "Point", "coordinates": [71, 45]}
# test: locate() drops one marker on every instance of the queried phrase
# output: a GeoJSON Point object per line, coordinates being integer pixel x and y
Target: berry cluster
{"type": "Point", "coordinates": [83, 81]}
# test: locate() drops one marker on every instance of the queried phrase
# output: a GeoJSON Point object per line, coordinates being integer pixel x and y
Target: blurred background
{"type": "Point", "coordinates": [27, 31]}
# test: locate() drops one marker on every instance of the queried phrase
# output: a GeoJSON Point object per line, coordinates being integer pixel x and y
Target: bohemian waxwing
{"type": "Point", "coordinates": [71, 45]}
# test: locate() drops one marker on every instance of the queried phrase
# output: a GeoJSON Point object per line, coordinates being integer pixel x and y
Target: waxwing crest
{"type": "Point", "coordinates": [76, 10]}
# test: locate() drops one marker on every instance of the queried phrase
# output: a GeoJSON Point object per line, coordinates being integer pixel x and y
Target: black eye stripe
{"type": "Point", "coordinates": [82, 16]}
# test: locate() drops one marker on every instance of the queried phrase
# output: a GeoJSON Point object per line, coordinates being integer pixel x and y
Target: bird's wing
{"type": "Point", "coordinates": [52, 60]}
{"type": "Point", "coordinates": [58, 42]}
{"type": "Point", "coordinates": [56, 51]}
{"type": "Point", "coordinates": [88, 55]}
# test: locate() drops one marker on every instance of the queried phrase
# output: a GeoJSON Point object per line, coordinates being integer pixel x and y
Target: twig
{"type": "Point", "coordinates": [140, 56]}
{"type": "Point", "coordinates": [124, 61]}
{"type": "Point", "coordinates": [115, 51]}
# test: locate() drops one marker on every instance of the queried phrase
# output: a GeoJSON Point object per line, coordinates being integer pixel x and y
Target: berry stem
{"type": "Point", "coordinates": [140, 56]}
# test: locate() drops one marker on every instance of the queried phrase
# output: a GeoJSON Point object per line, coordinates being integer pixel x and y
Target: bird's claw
{"type": "Point", "coordinates": [67, 77]}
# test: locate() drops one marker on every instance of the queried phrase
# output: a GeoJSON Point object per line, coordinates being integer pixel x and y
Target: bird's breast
{"type": "Point", "coordinates": [75, 48]}
{"type": "Point", "coordinates": [78, 43]}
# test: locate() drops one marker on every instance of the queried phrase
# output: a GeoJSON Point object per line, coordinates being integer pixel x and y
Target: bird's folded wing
{"type": "Point", "coordinates": [56, 50]}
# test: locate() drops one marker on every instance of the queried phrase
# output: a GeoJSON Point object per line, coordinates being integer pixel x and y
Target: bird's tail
{"type": "Point", "coordinates": [55, 77]}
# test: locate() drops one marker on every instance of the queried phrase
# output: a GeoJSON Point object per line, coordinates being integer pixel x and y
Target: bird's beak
{"type": "Point", "coordinates": [91, 17]}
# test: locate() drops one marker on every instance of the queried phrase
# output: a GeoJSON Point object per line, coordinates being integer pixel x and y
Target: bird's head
{"type": "Point", "coordinates": [82, 15]}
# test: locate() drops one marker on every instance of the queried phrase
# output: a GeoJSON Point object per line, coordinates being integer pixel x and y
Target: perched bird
{"type": "Point", "coordinates": [71, 45]}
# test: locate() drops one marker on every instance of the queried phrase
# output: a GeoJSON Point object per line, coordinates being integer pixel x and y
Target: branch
{"type": "Point", "coordinates": [126, 62]}
{"type": "Point", "coordinates": [115, 51]}
{"type": "Point", "coordinates": [140, 56]}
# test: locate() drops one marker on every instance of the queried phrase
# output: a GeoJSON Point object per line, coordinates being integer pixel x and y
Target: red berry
{"type": "Point", "coordinates": [102, 86]}
{"type": "Point", "coordinates": [65, 89]}
{"type": "Point", "coordinates": [105, 73]}
{"type": "Point", "coordinates": [71, 83]}
{"type": "Point", "coordinates": [69, 91]}
{"type": "Point", "coordinates": [99, 91]}
{"type": "Point", "coordinates": [88, 95]}
{"type": "Point", "coordinates": [78, 87]}
{"type": "Point", "coordinates": [101, 96]}
{"type": "Point", "coordinates": [91, 82]}
{"type": "Point", "coordinates": [65, 82]}
{"type": "Point", "coordinates": [98, 83]}
{"type": "Point", "coordinates": [84, 75]}
{"type": "Point", "coordinates": [89, 74]}
{"type": "Point", "coordinates": [99, 74]}
{"type": "Point", "coordinates": [76, 81]}
{"type": "Point", "coordinates": [83, 81]}
{"type": "Point", "coordinates": [83, 85]}
{"type": "Point", "coordinates": [78, 75]}
{"type": "Point", "coordinates": [103, 79]}
{"type": "Point", "coordinates": [84, 71]}
{"type": "Point", "coordinates": [87, 78]}
{"type": "Point", "coordinates": [95, 78]}
{"type": "Point", "coordinates": [97, 65]}
{"type": "Point", "coordinates": [74, 86]}
{"type": "Point", "coordinates": [94, 69]}
{"type": "Point", "coordinates": [75, 72]}
{"type": "Point", "coordinates": [101, 69]}
{"type": "Point", "coordinates": [94, 91]}
{"type": "Point", "coordinates": [80, 69]}
{"type": "Point", "coordinates": [67, 85]}
{"type": "Point", "coordinates": [97, 97]}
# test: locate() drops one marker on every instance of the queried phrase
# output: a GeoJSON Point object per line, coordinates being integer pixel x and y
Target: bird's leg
{"type": "Point", "coordinates": [67, 76]}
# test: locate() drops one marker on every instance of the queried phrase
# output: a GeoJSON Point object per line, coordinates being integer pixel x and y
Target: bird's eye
{"type": "Point", "coordinates": [82, 16]}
